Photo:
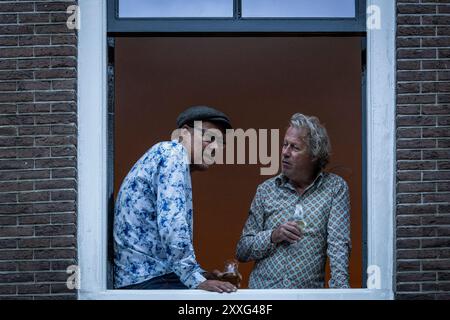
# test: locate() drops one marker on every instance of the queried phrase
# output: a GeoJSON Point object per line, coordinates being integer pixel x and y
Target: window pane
{"type": "Point", "coordinates": [175, 8]}
{"type": "Point", "coordinates": [299, 8]}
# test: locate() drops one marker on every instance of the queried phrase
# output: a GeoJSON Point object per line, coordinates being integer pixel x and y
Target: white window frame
{"type": "Point", "coordinates": [92, 167]}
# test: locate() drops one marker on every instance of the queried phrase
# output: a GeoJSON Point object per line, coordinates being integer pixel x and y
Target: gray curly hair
{"type": "Point", "coordinates": [317, 137]}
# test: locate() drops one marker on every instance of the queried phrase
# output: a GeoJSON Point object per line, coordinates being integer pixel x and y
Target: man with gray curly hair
{"type": "Point", "coordinates": [299, 217]}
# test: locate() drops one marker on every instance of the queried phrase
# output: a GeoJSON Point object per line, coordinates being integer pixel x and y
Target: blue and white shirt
{"type": "Point", "coordinates": [153, 219]}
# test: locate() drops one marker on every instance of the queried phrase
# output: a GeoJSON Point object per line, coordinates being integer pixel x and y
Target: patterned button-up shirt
{"type": "Point", "coordinates": [324, 206]}
{"type": "Point", "coordinates": [153, 219]}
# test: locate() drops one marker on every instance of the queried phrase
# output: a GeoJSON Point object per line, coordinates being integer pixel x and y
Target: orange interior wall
{"type": "Point", "coordinates": [259, 82]}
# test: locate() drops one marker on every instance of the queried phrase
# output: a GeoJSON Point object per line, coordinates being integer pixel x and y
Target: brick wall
{"type": "Point", "coordinates": [423, 154]}
{"type": "Point", "coordinates": [37, 149]}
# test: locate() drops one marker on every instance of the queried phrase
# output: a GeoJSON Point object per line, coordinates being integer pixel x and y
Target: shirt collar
{"type": "Point", "coordinates": [282, 181]}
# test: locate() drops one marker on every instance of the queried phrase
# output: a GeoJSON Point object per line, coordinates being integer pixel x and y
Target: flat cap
{"type": "Point", "coordinates": [203, 113]}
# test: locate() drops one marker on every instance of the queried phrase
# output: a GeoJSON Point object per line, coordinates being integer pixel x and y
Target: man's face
{"type": "Point", "coordinates": [296, 159]}
{"type": "Point", "coordinates": [204, 139]}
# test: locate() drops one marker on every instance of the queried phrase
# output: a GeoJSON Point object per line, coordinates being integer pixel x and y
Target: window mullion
{"type": "Point", "coordinates": [237, 9]}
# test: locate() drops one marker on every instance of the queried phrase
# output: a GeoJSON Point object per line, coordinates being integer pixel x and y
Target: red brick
{"type": "Point", "coordinates": [55, 230]}
{"type": "Point", "coordinates": [33, 288]}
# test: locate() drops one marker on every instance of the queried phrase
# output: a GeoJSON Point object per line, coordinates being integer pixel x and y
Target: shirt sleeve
{"type": "Point", "coordinates": [339, 244]}
{"type": "Point", "coordinates": [174, 226]}
{"type": "Point", "coordinates": [255, 242]}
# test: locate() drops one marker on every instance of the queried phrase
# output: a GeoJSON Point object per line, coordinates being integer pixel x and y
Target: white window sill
{"type": "Point", "coordinates": [244, 294]}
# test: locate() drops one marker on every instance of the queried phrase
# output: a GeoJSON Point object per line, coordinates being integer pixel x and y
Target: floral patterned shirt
{"type": "Point", "coordinates": [153, 219]}
{"type": "Point", "coordinates": [324, 206]}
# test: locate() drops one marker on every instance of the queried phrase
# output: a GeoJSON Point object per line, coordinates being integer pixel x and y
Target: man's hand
{"type": "Point", "coordinates": [217, 286]}
{"type": "Point", "coordinates": [215, 275]}
{"type": "Point", "coordinates": [288, 231]}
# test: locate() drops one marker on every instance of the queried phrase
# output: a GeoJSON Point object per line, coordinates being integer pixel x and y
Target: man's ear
{"type": "Point", "coordinates": [182, 133]}
{"type": "Point", "coordinates": [184, 129]}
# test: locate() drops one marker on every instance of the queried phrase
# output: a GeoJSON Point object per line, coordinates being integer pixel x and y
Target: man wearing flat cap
{"type": "Point", "coordinates": [153, 213]}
